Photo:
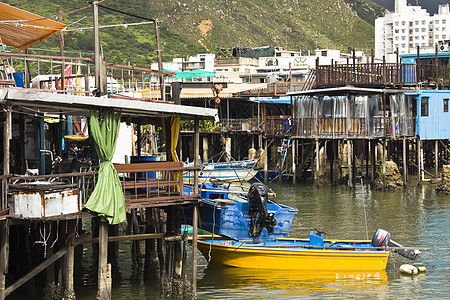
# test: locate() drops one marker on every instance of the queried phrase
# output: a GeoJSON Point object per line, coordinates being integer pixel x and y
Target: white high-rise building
{"type": "Point", "coordinates": [409, 27]}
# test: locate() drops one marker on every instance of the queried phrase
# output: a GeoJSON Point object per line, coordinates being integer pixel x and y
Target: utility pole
{"type": "Point", "coordinates": [97, 58]}
{"type": "Point", "coordinates": [160, 64]}
{"type": "Point", "coordinates": [61, 45]}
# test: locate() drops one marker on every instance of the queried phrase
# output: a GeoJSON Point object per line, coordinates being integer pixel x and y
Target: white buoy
{"type": "Point", "coordinates": [409, 269]}
{"type": "Point", "coordinates": [422, 269]}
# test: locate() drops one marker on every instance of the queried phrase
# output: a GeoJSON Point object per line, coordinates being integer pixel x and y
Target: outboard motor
{"type": "Point", "coordinates": [382, 238]}
{"type": "Point", "coordinates": [257, 210]}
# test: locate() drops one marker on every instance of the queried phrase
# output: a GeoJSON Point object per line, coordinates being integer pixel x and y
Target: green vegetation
{"type": "Point", "coordinates": [199, 26]}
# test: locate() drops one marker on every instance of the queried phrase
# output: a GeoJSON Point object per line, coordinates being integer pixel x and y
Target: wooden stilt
{"type": "Point", "coordinates": [419, 161]}
{"type": "Point", "coordinates": [367, 155]}
{"type": "Point", "coordinates": [4, 256]}
{"type": "Point", "coordinates": [384, 163]}
{"type": "Point", "coordinates": [294, 171]}
{"type": "Point", "coordinates": [405, 163]}
{"type": "Point", "coordinates": [195, 211]}
{"type": "Point", "coordinates": [436, 158]}
{"type": "Point", "coordinates": [266, 161]}
{"type": "Point", "coordinates": [70, 255]}
{"type": "Point", "coordinates": [136, 244]}
{"type": "Point", "coordinates": [349, 163]}
{"type": "Point", "coordinates": [316, 173]}
{"type": "Point", "coordinates": [104, 271]}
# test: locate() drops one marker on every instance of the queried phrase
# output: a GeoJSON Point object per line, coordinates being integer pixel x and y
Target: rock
{"type": "Point", "coordinates": [408, 269]}
{"type": "Point", "coordinates": [393, 177]}
{"type": "Point", "coordinates": [443, 186]}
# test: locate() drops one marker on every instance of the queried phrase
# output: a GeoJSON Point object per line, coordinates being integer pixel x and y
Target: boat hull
{"type": "Point", "coordinates": [273, 256]}
{"type": "Point", "coordinates": [226, 175]}
{"type": "Point", "coordinates": [231, 220]}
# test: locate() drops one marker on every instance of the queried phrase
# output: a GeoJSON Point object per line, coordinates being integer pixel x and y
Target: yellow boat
{"type": "Point", "coordinates": [296, 254]}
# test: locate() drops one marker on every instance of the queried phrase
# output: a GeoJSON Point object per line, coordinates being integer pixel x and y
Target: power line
{"type": "Point", "coordinates": [125, 13]}
{"type": "Point", "coordinates": [111, 25]}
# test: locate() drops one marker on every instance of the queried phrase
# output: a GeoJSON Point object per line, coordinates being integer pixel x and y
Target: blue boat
{"type": "Point", "coordinates": [242, 170]}
{"type": "Point", "coordinates": [248, 217]}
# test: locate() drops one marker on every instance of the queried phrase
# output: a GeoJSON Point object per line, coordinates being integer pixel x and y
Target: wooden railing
{"type": "Point", "coordinates": [278, 126]}
{"type": "Point", "coordinates": [274, 89]}
{"type": "Point", "coordinates": [153, 184]}
{"type": "Point", "coordinates": [144, 184]}
{"type": "Point", "coordinates": [373, 74]}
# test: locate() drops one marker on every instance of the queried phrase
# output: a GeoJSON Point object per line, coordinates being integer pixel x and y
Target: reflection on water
{"type": "Point", "coordinates": [415, 217]}
{"type": "Point", "coordinates": [249, 284]}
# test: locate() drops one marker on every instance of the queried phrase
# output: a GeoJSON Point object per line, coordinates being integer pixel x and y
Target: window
{"type": "Point", "coordinates": [417, 22]}
{"type": "Point", "coordinates": [436, 21]}
{"type": "Point", "coordinates": [444, 21]}
{"type": "Point", "coordinates": [424, 107]}
{"type": "Point", "coordinates": [445, 105]}
{"type": "Point", "coordinates": [423, 22]}
{"type": "Point", "coordinates": [403, 23]}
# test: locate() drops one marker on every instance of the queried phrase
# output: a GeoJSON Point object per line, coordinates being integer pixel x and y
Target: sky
{"type": "Point", "coordinates": [430, 5]}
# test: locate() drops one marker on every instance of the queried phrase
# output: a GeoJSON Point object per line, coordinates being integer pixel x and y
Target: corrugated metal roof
{"type": "Point", "coordinates": [22, 29]}
{"type": "Point", "coordinates": [60, 103]}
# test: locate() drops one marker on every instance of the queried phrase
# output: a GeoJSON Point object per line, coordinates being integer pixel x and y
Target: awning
{"type": "Point", "coordinates": [228, 92]}
{"type": "Point", "coordinates": [272, 100]}
{"type": "Point", "coordinates": [22, 29]}
{"type": "Point", "coordinates": [194, 74]}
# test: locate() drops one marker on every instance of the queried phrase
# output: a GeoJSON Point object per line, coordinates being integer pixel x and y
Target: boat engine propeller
{"type": "Point", "coordinates": [382, 238]}
{"type": "Point", "coordinates": [257, 210]}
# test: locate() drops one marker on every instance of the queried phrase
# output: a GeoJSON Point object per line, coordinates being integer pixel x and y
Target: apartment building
{"type": "Point", "coordinates": [409, 27]}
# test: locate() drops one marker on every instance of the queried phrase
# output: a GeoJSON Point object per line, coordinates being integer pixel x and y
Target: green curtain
{"type": "Point", "coordinates": [107, 199]}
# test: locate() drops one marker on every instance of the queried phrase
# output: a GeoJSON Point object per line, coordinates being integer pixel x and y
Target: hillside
{"type": "Point", "coordinates": [196, 26]}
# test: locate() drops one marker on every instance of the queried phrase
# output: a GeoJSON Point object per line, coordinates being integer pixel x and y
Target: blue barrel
{"type": "Point", "coordinates": [144, 159]}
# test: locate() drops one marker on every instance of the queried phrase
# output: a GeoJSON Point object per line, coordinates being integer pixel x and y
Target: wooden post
{"type": "Point", "coordinates": [205, 149]}
{"type": "Point", "coordinates": [384, 163]}
{"type": "Point", "coordinates": [372, 162]}
{"type": "Point", "coordinates": [418, 75]}
{"type": "Point", "coordinates": [4, 256]}
{"type": "Point", "coordinates": [7, 135]}
{"type": "Point", "coordinates": [266, 163]}
{"type": "Point", "coordinates": [61, 46]}
{"type": "Point", "coordinates": [97, 59]}
{"type": "Point", "coordinates": [294, 146]}
{"type": "Point", "coordinates": [349, 163]}
{"type": "Point", "coordinates": [104, 269]}
{"type": "Point", "coordinates": [436, 65]}
{"type": "Point", "coordinates": [160, 64]}
{"type": "Point", "coordinates": [405, 163]}
{"type": "Point", "coordinates": [195, 211]}
{"type": "Point", "coordinates": [70, 255]}
{"type": "Point", "coordinates": [419, 162]}
{"type": "Point", "coordinates": [436, 158]}
{"type": "Point", "coordinates": [316, 173]}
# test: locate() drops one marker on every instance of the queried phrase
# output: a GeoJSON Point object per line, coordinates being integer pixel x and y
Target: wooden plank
{"type": "Point", "coordinates": [150, 183]}
{"type": "Point", "coordinates": [159, 199]}
{"type": "Point", "coordinates": [150, 166]}
{"type": "Point", "coordinates": [41, 267]}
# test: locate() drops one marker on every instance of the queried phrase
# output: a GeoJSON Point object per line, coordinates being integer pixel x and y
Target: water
{"type": "Point", "coordinates": [415, 217]}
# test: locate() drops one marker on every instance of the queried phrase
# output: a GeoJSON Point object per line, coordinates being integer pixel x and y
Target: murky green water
{"type": "Point", "coordinates": [415, 217]}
